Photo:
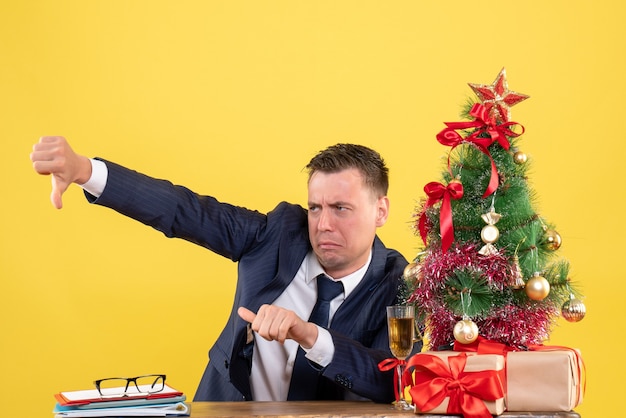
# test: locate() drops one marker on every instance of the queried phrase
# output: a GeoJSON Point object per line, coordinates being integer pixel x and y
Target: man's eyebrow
{"type": "Point", "coordinates": [337, 203]}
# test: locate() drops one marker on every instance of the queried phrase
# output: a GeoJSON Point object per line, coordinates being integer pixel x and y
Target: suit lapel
{"type": "Point", "coordinates": [293, 247]}
{"type": "Point", "coordinates": [292, 251]}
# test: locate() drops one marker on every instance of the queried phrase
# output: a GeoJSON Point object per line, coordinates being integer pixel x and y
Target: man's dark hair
{"type": "Point", "coordinates": [345, 156]}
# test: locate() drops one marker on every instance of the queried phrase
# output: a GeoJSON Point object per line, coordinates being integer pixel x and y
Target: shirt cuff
{"type": "Point", "coordinates": [98, 180]}
{"type": "Point", "coordinates": [323, 350]}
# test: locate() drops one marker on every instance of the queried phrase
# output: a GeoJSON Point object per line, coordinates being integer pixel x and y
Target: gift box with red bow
{"type": "Point", "coordinates": [544, 378]}
{"type": "Point", "coordinates": [447, 382]}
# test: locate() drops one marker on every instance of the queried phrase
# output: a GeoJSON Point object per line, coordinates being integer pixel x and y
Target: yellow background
{"type": "Point", "coordinates": [232, 98]}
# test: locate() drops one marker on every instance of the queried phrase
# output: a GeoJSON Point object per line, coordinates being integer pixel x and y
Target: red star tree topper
{"type": "Point", "coordinates": [497, 98]}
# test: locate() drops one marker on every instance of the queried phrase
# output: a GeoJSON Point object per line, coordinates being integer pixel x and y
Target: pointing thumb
{"type": "Point", "coordinates": [58, 188]}
{"type": "Point", "coordinates": [246, 314]}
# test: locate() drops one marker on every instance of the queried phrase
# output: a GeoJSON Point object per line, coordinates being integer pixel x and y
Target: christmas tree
{"type": "Point", "coordinates": [489, 265]}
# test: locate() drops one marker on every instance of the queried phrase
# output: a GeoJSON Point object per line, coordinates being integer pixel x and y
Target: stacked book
{"type": "Point", "coordinates": [121, 402]}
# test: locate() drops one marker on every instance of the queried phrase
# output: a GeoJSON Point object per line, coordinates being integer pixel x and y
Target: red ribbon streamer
{"type": "Point", "coordinates": [435, 380]}
{"type": "Point", "coordinates": [482, 124]}
{"type": "Point", "coordinates": [438, 192]}
{"type": "Point", "coordinates": [393, 363]}
{"type": "Point", "coordinates": [484, 346]}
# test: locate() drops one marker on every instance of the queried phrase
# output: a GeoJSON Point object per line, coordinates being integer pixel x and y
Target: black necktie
{"type": "Point", "coordinates": [304, 378]}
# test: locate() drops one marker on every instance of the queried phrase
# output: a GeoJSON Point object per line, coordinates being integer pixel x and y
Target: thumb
{"type": "Point", "coordinates": [246, 314]}
{"type": "Point", "coordinates": [58, 188]}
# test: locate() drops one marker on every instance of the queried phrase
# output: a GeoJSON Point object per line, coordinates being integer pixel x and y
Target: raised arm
{"type": "Point", "coordinates": [52, 155]}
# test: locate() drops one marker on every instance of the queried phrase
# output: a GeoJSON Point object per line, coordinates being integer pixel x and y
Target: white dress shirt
{"type": "Point", "coordinates": [272, 362]}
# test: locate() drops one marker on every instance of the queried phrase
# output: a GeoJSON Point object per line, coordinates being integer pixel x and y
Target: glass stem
{"type": "Point", "coordinates": [400, 385]}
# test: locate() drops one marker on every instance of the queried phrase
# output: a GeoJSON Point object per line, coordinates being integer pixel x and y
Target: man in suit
{"type": "Point", "coordinates": [271, 347]}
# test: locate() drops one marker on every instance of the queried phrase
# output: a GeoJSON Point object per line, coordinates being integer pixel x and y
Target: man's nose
{"type": "Point", "coordinates": [324, 222]}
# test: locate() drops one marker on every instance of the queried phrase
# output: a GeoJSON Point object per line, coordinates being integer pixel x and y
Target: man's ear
{"type": "Point", "coordinates": [383, 211]}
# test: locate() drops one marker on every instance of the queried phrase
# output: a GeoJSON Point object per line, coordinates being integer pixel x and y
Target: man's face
{"type": "Point", "coordinates": [343, 216]}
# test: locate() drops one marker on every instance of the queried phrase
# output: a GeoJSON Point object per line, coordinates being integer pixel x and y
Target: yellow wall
{"type": "Point", "coordinates": [232, 98]}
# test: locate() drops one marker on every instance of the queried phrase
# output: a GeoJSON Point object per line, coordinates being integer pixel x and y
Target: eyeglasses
{"type": "Point", "coordinates": [129, 386]}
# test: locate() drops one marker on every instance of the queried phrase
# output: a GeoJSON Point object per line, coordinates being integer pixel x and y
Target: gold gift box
{"type": "Point", "coordinates": [544, 380]}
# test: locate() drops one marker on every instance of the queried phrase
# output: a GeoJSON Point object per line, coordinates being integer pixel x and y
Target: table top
{"type": "Point", "coordinates": [335, 409]}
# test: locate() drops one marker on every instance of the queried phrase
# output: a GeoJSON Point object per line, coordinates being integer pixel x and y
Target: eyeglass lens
{"type": "Point", "coordinates": [118, 386]}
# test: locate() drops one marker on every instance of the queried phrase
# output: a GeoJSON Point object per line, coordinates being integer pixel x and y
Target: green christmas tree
{"type": "Point", "coordinates": [490, 264]}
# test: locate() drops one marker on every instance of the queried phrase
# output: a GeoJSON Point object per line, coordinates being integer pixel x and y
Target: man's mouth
{"type": "Point", "coordinates": [327, 245]}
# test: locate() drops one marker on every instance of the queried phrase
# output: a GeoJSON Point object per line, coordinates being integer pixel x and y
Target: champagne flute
{"type": "Point", "coordinates": [401, 325]}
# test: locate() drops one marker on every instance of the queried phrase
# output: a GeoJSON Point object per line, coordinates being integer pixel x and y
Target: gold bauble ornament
{"type": "Point", "coordinates": [537, 287]}
{"type": "Point", "coordinates": [489, 234]}
{"type": "Point", "coordinates": [573, 310]}
{"type": "Point", "coordinates": [413, 272]}
{"type": "Point", "coordinates": [552, 240]}
{"type": "Point", "coordinates": [519, 157]}
{"type": "Point", "coordinates": [465, 331]}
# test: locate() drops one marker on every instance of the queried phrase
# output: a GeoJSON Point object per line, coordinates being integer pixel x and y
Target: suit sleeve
{"type": "Point", "coordinates": [179, 212]}
{"type": "Point", "coordinates": [355, 367]}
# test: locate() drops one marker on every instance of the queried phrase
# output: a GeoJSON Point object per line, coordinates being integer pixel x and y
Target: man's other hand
{"type": "Point", "coordinates": [278, 324]}
{"type": "Point", "coordinates": [52, 155]}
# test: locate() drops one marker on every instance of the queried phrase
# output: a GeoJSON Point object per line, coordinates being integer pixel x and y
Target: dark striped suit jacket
{"type": "Point", "coordinates": [269, 249]}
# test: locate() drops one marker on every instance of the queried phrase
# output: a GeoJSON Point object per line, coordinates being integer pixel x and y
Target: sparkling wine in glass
{"type": "Point", "coordinates": [401, 324]}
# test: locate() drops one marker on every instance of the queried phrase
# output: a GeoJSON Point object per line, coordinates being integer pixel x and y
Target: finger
{"type": "Point", "coordinates": [58, 188]}
{"type": "Point", "coordinates": [283, 323]}
{"type": "Point", "coordinates": [52, 138]}
{"type": "Point", "coordinates": [46, 157]}
{"type": "Point", "coordinates": [42, 159]}
{"type": "Point", "coordinates": [281, 330]}
{"type": "Point", "coordinates": [275, 323]}
{"type": "Point", "coordinates": [45, 167]}
{"type": "Point", "coordinates": [55, 198]}
{"type": "Point", "coordinates": [50, 144]}
{"type": "Point", "coordinates": [246, 314]}
{"type": "Point", "coordinates": [262, 321]}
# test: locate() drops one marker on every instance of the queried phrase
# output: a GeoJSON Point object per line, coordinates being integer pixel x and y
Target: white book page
{"type": "Point", "coordinates": [91, 394]}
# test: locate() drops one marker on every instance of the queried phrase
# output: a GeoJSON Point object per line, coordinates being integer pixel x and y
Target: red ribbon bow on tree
{"type": "Point", "coordinates": [438, 192]}
{"type": "Point", "coordinates": [483, 124]}
{"type": "Point", "coordinates": [435, 380]}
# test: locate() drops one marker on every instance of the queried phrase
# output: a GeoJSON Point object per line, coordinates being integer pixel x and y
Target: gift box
{"type": "Point", "coordinates": [546, 379]}
{"type": "Point", "coordinates": [448, 382]}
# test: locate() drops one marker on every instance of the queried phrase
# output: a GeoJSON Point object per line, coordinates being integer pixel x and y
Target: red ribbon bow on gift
{"type": "Point", "coordinates": [483, 124]}
{"type": "Point", "coordinates": [393, 363]}
{"type": "Point", "coordinates": [435, 380]}
{"type": "Point", "coordinates": [438, 192]}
